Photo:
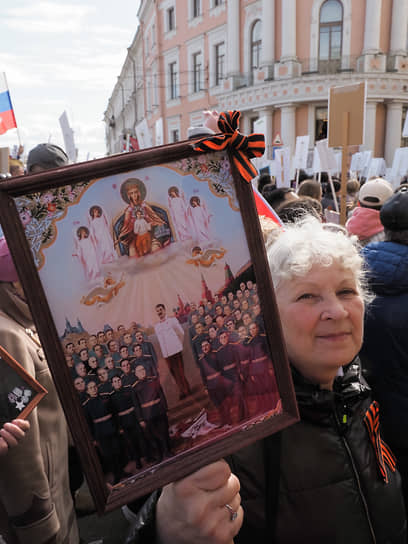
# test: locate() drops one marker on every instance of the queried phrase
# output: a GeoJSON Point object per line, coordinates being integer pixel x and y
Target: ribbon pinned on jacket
{"type": "Point", "coordinates": [383, 453]}
{"type": "Point", "coordinates": [243, 147]}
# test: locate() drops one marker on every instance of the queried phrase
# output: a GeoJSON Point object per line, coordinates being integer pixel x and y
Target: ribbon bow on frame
{"type": "Point", "coordinates": [243, 147]}
{"type": "Point", "coordinates": [383, 453]}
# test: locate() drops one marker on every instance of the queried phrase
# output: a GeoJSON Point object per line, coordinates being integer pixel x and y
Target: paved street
{"type": "Point", "coordinates": [108, 529]}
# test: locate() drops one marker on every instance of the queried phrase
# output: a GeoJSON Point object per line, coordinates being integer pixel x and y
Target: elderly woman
{"type": "Point", "coordinates": [327, 478]}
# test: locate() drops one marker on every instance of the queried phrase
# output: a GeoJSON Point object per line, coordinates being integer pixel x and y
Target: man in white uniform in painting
{"type": "Point", "coordinates": [170, 335]}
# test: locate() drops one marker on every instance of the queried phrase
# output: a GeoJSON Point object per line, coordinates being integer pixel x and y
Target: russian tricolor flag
{"type": "Point", "coordinates": [7, 119]}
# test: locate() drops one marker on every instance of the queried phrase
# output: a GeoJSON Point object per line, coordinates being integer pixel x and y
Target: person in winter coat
{"type": "Point", "coordinates": [365, 220]}
{"type": "Point", "coordinates": [385, 347]}
{"type": "Point", "coordinates": [327, 478]}
{"type": "Point", "coordinates": [35, 498]}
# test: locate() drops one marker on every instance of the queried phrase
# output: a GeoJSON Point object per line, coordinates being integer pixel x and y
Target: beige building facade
{"type": "Point", "coordinates": [271, 59]}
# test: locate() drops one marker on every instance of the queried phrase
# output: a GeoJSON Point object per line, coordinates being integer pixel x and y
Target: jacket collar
{"type": "Point", "coordinates": [350, 385]}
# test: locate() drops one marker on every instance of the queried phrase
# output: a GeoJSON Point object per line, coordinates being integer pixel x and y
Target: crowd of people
{"type": "Point", "coordinates": [331, 477]}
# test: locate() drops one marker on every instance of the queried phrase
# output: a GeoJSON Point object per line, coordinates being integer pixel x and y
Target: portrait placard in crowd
{"type": "Point", "coordinates": [148, 281]}
{"type": "Point", "coordinates": [19, 392]}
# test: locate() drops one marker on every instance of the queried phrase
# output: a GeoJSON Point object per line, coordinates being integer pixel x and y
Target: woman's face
{"type": "Point", "coordinates": [322, 321]}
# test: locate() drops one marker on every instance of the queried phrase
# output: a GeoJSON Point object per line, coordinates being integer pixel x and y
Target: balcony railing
{"type": "Point", "coordinates": [322, 67]}
{"type": "Point", "coordinates": [330, 66]}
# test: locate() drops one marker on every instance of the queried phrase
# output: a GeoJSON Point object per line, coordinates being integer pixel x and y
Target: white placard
{"type": "Point", "coordinates": [272, 168]}
{"type": "Point", "coordinates": [282, 165]}
{"type": "Point", "coordinates": [267, 163]}
{"type": "Point", "coordinates": [400, 162]}
{"type": "Point", "coordinates": [394, 180]}
{"type": "Point", "coordinates": [159, 131]}
{"type": "Point", "coordinates": [309, 163]}
{"type": "Point", "coordinates": [326, 155]}
{"type": "Point", "coordinates": [404, 163]}
{"type": "Point", "coordinates": [332, 216]}
{"type": "Point", "coordinates": [377, 168]}
{"type": "Point", "coordinates": [403, 167]}
{"type": "Point", "coordinates": [405, 129]}
{"type": "Point", "coordinates": [260, 127]}
{"type": "Point", "coordinates": [396, 161]}
{"type": "Point", "coordinates": [68, 135]}
{"type": "Point", "coordinates": [337, 156]}
{"type": "Point", "coordinates": [144, 137]}
{"type": "Point", "coordinates": [356, 164]}
{"type": "Point", "coordinates": [301, 152]}
{"type": "Point", "coordinates": [316, 161]}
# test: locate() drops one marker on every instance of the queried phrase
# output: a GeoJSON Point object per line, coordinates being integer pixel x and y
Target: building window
{"type": "Point", "coordinates": [153, 35]}
{"type": "Point", "coordinates": [197, 72]}
{"type": "Point", "coordinates": [330, 35]}
{"type": "Point", "coordinates": [173, 80]}
{"type": "Point", "coordinates": [219, 62]}
{"type": "Point", "coordinates": [217, 3]}
{"type": "Point", "coordinates": [171, 19]}
{"type": "Point", "coordinates": [196, 8]}
{"type": "Point", "coordinates": [321, 124]}
{"type": "Point", "coordinates": [174, 135]}
{"type": "Point", "coordinates": [256, 44]}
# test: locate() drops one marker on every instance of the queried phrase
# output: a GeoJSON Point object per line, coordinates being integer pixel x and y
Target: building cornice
{"type": "Point", "coordinates": [313, 88]}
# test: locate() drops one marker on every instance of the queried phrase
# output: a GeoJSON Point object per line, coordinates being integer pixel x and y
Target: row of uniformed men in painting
{"type": "Point", "coordinates": [117, 379]}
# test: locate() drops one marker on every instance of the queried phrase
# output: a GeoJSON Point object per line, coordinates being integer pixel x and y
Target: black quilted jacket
{"type": "Point", "coordinates": [317, 481]}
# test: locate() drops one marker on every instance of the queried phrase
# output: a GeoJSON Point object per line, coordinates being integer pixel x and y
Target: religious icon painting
{"type": "Point", "coordinates": [148, 281]}
{"type": "Point", "coordinates": [19, 392]}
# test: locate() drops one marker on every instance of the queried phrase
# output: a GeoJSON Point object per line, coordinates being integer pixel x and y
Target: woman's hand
{"type": "Point", "coordinates": [12, 433]}
{"type": "Point", "coordinates": [193, 509]}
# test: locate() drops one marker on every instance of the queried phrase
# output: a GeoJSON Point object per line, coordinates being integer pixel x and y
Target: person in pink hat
{"type": "Point", "coordinates": [365, 220]}
{"type": "Point", "coordinates": [35, 499]}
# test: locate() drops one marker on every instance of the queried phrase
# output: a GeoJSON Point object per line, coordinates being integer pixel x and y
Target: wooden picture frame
{"type": "Point", "coordinates": [19, 392]}
{"type": "Point", "coordinates": [42, 217]}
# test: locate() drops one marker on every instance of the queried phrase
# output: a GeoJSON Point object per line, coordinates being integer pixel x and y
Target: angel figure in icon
{"type": "Point", "coordinates": [179, 213]}
{"type": "Point", "coordinates": [100, 235]}
{"type": "Point", "coordinates": [200, 219]}
{"type": "Point", "coordinates": [206, 258]}
{"type": "Point", "coordinates": [85, 252]}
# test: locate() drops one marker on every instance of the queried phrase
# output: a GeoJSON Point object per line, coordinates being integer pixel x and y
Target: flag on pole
{"type": "Point", "coordinates": [7, 119]}
{"type": "Point", "coordinates": [264, 208]}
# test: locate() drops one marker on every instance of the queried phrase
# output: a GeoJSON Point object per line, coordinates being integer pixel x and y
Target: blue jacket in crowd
{"type": "Point", "coordinates": [385, 348]}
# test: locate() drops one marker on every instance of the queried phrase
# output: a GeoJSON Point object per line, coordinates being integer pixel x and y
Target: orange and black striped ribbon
{"type": "Point", "coordinates": [243, 147]}
{"type": "Point", "coordinates": [382, 451]}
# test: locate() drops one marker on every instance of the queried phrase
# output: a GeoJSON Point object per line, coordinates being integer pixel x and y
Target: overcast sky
{"type": "Point", "coordinates": [63, 55]}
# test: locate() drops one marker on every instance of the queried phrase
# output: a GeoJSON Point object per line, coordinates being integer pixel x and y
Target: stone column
{"type": "Point", "coordinates": [268, 37]}
{"type": "Point", "coordinates": [372, 60]}
{"type": "Point", "coordinates": [267, 113]}
{"type": "Point", "coordinates": [370, 122]}
{"type": "Point", "coordinates": [398, 39]}
{"type": "Point", "coordinates": [288, 30]}
{"type": "Point", "coordinates": [288, 66]}
{"type": "Point", "coordinates": [233, 43]}
{"type": "Point", "coordinates": [393, 130]}
{"type": "Point", "coordinates": [288, 126]}
{"type": "Point", "coordinates": [245, 123]}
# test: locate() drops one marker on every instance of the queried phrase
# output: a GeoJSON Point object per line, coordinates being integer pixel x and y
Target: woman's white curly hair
{"type": "Point", "coordinates": [308, 243]}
